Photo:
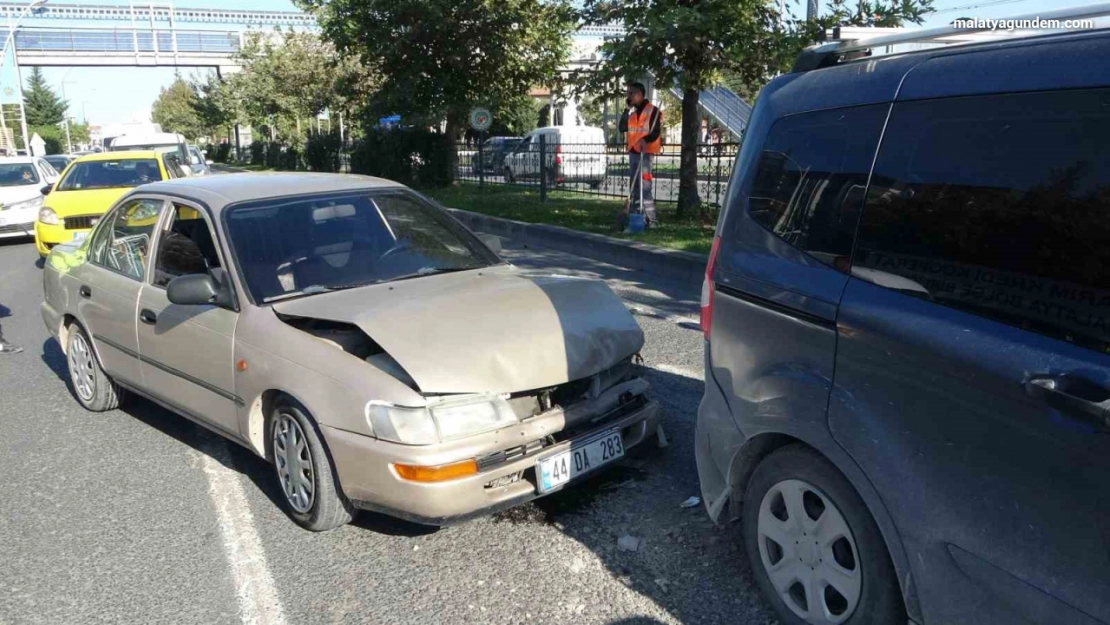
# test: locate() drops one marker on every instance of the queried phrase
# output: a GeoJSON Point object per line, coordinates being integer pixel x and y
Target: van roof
{"type": "Point", "coordinates": [1053, 61]}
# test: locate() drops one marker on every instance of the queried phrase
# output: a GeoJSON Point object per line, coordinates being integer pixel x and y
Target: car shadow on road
{"type": "Point", "coordinates": [696, 571]}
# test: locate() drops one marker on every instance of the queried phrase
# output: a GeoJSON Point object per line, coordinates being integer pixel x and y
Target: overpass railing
{"type": "Point", "coordinates": [29, 39]}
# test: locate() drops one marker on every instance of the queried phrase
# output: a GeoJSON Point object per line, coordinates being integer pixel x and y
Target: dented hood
{"type": "Point", "coordinates": [488, 330]}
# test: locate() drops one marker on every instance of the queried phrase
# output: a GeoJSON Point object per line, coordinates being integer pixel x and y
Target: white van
{"type": "Point", "coordinates": [153, 141]}
{"type": "Point", "coordinates": [574, 154]}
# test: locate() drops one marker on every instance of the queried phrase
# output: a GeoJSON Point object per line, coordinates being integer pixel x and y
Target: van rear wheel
{"type": "Point", "coordinates": [814, 548]}
{"type": "Point", "coordinates": [509, 176]}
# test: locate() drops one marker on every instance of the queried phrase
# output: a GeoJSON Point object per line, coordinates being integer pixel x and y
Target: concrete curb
{"type": "Point", "coordinates": [681, 266]}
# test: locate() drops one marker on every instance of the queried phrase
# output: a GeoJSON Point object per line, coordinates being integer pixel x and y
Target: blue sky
{"type": "Point", "coordinates": [103, 95]}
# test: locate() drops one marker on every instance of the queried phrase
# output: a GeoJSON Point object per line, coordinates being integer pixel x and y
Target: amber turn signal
{"type": "Point", "coordinates": [441, 473]}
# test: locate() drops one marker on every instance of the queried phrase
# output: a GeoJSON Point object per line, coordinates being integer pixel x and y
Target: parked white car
{"type": "Point", "coordinates": [21, 181]}
{"type": "Point", "coordinates": [573, 154]}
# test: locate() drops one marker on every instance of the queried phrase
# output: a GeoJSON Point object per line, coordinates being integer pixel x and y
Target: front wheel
{"type": "Point", "coordinates": [311, 492]}
{"type": "Point", "coordinates": [814, 548]}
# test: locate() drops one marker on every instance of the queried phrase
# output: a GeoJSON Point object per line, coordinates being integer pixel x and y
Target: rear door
{"type": "Point", "coordinates": [789, 228]}
{"type": "Point", "coordinates": [973, 364]}
{"type": "Point", "coordinates": [108, 285]}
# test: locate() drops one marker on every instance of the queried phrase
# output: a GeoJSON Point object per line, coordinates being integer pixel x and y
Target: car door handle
{"type": "Point", "coordinates": [1075, 396]}
{"type": "Point", "coordinates": [84, 291]}
{"type": "Point", "coordinates": [148, 317]}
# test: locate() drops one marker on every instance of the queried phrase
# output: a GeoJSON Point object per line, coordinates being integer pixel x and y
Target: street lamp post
{"type": "Point", "coordinates": [10, 41]}
{"type": "Point", "coordinates": [65, 117]}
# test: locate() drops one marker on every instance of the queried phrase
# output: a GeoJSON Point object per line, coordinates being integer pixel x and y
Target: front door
{"type": "Point", "coordinates": [107, 287]}
{"type": "Point", "coordinates": [187, 350]}
{"type": "Point", "coordinates": [972, 375]}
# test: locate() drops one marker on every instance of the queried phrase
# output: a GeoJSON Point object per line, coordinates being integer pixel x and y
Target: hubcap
{"type": "Point", "coordinates": [294, 463]}
{"type": "Point", "coordinates": [808, 553]}
{"type": "Point", "coordinates": [81, 368]}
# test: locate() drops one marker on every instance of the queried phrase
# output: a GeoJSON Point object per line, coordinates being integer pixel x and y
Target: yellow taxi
{"type": "Point", "coordinates": [91, 185]}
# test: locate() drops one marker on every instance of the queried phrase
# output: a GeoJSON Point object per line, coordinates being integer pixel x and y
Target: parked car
{"type": "Point", "coordinates": [907, 399]}
{"type": "Point", "coordinates": [59, 161]}
{"type": "Point", "coordinates": [494, 151]}
{"type": "Point", "coordinates": [302, 316]}
{"type": "Point", "coordinates": [573, 154]}
{"type": "Point", "coordinates": [198, 162]}
{"type": "Point", "coordinates": [21, 181]}
{"type": "Point", "coordinates": [90, 186]}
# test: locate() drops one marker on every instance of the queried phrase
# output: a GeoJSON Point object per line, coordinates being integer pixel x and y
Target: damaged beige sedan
{"type": "Point", "coordinates": [376, 352]}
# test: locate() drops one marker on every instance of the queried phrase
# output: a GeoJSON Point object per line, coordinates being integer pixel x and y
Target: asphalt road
{"type": "Point", "coordinates": [139, 516]}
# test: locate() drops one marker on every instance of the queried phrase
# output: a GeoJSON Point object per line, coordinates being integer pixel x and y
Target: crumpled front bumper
{"type": "Point", "coordinates": [364, 465]}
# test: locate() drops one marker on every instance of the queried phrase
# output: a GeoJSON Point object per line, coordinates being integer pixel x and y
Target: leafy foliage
{"type": "Point", "coordinates": [176, 110]}
{"type": "Point", "coordinates": [52, 136]}
{"type": "Point", "coordinates": [43, 107]}
{"type": "Point", "coordinates": [321, 151]}
{"type": "Point", "coordinates": [409, 156]}
{"type": "Point", "coordinates": [436, 59]}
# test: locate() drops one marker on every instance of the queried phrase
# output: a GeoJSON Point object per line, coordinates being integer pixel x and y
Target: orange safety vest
{"type": "Point", "coordinates": [639, 126]}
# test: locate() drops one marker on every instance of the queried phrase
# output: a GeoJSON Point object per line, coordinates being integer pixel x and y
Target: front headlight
{"type": "Point", "coordinates": [442, 420]}
{"type": "Point", "coordinates": [48, 216]}
{"type": "Point", "coordinates": [31, 203]}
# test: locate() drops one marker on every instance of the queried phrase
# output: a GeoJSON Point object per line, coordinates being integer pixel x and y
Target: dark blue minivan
{"type": "Point", "coordinates": [907, 323]}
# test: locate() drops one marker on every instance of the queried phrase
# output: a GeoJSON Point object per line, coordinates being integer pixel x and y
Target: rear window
{"type": "Point", "coordinates": [811, 177]}
{"type": "Point", "coordinates": [108, 174]}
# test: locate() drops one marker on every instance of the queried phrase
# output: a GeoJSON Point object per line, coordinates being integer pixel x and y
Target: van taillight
{"type": "Point", "coordinates": [708, 289]}
{"type": "Point", "coordinates": [558, 154]}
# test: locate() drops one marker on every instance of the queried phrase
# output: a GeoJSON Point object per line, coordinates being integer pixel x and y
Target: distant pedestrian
{"type": "Point", "coordinates": [642, 124]}
{"type": "Point", "coordinates": [6, 347]}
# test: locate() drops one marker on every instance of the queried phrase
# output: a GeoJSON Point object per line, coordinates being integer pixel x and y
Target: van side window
{"type": "Point", "coordinates": [812, 173]}
{"type": "Point", "coordinates": [998, 206]}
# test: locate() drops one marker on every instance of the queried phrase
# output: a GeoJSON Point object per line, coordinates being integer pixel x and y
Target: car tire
{"type": "Point", "coordinates": [595, 185]}
{"type": "Point", "coordinates": [846, 548]}
{"type": "Point", "coordinates": [313, 500]}
{"type": "Point", "coordinates": [509, 175]}
{"type": "Point", "coordinates": [95, 390]}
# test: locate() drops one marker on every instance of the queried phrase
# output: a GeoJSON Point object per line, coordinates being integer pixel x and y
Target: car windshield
{"type": "Point", "coordinates": [130, 172]}
{"type": "Point", "coordinates": [57, 162]}
{"type": "Point", "coordinates": [16, 174]}
{"type": "Point", "coordinates": [288, 247]}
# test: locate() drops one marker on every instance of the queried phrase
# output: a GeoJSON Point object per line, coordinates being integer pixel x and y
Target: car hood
{"type": "Point", "coordinates": [19, 193]}
{"type": "Point", "coordinates": [85, 201]}
{"type": "Point", "coordinates": [490, 330]}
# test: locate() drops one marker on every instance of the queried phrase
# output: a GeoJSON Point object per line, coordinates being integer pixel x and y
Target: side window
{"type": "Point", "coordinates": [173, 166]}
{"type": "Point", "coordinates": [123, 244]}
{"type": "Point", "coordinates": [812, 174]}
{"type": "Point", "coordinates": [998, 206]}
{"type": "Point", "coordinates": [186, 247]}
{"type": "Point", "coordinates": [46, 168]}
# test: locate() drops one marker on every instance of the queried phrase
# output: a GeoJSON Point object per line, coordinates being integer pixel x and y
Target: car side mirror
{"type": "Point", "coordinates": [208, 162]}
{"type": "Point", "coordinates": [46, 189]}
{"type": "Point", "coordinates": [193, 290]}
{"type": "Point", "coordinates": [492, 241]}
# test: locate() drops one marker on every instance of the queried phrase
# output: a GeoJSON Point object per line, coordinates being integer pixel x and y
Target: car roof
{"type": "Point", "coordinates": [122, 154]}
{"type": "Point", "coordinates": [221, 190]}
{"type": "Point", "coordinates": [1055, 61]}
{"type": "Point", "coordinates": [18, 159]}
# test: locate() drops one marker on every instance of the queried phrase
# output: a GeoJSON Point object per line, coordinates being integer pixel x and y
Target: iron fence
{"type": "Point", "coordinates": [591, 169]}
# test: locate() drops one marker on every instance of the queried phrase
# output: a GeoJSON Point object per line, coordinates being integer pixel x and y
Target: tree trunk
{"type": "Point", "coordinates": [454, 130]}
{"type": "Point", "coordinates": [689, 204]}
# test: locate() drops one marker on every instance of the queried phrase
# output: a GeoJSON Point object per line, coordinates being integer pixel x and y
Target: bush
{"type": "Point", "coordinates": [408, 156]}
{"type": "Point", "coordinates": [321, 151]}
{"type": "Point", "coordinates": [223, 153]}
{"type": "Point", "coordinates": [258, 152]}
{"type": "Point", "coordinates": [52, 136]}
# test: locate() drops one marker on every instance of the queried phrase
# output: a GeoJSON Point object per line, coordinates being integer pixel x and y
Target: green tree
{"type": "Point", "coordinates": [42, 105]}
{"type": "Point", "coordinates": [517, 118]}
{"type": "Point", "coordinates": [436, 59]}
{"type": "Point", "coordinates": [693, 44]}
{"type": "Point", "coordinates": [175, 110]}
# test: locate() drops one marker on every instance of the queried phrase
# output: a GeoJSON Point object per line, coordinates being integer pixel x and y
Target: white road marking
{"type": "Point", "coordinates": [254, 587]}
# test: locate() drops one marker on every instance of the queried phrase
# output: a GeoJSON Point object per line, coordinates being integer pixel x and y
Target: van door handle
{"type": "Point", "coordinates": [84, 291]}
{"type": "Point", "coordinates": [1074, 395]}
{"type": "Point", "coordinates": [148, 317]}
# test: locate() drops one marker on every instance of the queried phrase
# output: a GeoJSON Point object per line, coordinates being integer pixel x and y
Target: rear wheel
{"type": "Point", "coordinates": [311, 491]}
{"type": "Point", "coordinates": [92, 387]}
{"type": "Point", "coordinates": [509, 175]}
{"type": "Point", "coordinates": [813, 546]}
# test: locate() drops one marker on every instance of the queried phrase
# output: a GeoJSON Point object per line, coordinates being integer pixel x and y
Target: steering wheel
{"type": "Point", "coordinates": [401, 246]}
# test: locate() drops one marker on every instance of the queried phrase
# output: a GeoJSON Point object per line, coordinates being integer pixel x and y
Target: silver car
{"type": "Point", "coordinates": [355, 335]}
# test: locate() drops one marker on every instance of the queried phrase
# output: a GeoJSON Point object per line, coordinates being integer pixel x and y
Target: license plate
{"type": "Point", "coordinates": [554, 471]}
{"type": "Point", "coordinates": [79, 236]}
